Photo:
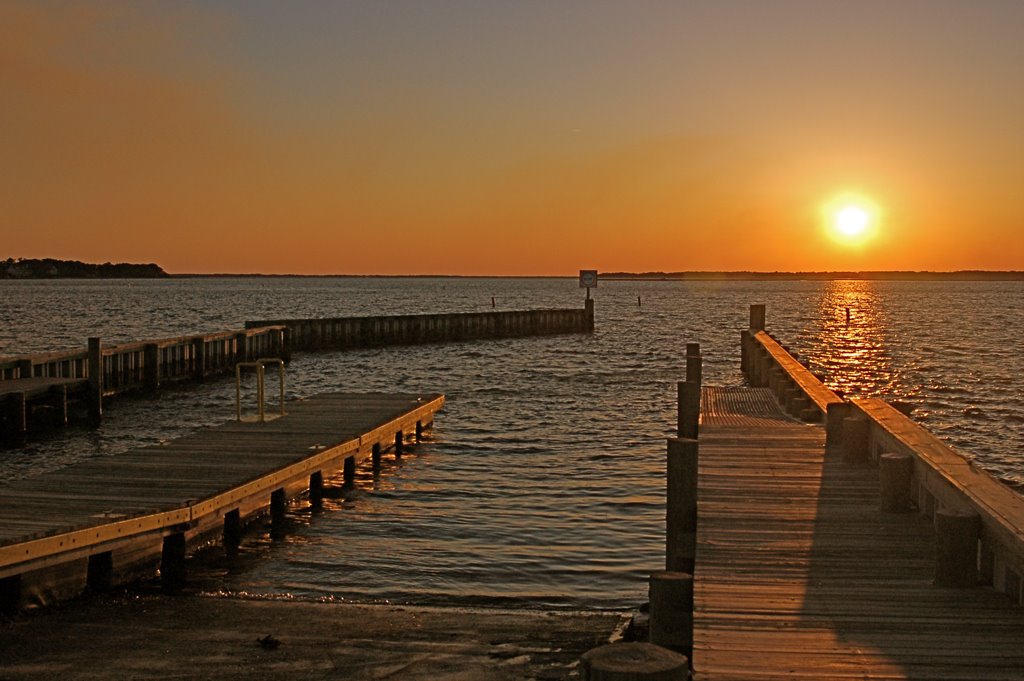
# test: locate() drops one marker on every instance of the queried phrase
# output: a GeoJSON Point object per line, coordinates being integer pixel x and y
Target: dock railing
{"type": "Point", "coordinates": [147, 364]}
{"type": "Point", "coordinates": [979, 521]}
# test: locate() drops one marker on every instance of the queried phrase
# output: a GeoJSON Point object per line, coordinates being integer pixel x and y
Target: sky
{"type": "Point", "coordinates": [513, 138]}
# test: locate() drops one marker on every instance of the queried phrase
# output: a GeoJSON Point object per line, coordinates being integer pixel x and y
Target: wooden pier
{"type": "Point", "coordinates": [813, 537]}
{"type": "Point", "coordinates": [800, 575]}
{"type": "Point", "coordinates": [113, 519]}
{"type": "Point", "coordinates": [344, 333]}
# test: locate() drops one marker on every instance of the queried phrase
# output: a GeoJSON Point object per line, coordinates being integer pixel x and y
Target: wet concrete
{"type": "Point", "coordinates": [196, 637]}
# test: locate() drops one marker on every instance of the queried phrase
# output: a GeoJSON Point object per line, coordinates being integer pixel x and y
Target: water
{"type": "Point", "coordinates": [542, 483]}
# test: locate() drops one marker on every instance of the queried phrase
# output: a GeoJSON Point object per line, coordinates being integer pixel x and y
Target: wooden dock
{"type": "Point", "coordinates": [114, 518]}
{"type": "Point", "coordinates": [799, 575]}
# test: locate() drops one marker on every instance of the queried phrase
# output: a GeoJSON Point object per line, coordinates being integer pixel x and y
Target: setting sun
{"type": "Point", "coordinates": [850, 219]}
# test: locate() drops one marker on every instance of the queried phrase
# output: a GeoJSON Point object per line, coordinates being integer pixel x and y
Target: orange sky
{"type": "Point", "coordinates": [510, 138]}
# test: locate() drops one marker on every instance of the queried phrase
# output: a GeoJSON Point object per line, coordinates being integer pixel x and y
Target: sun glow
{"type": "Point", "coordinates": [850, 219]}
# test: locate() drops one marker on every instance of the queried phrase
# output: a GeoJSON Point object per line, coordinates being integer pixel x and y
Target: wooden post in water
{"type": "Point", "coordinates": [375, 456]}
{"type": "Point", "coordinates": [16, 406]}
{"type": "Point", "coordinates": [151, 360]}
{"type": "Point", "coordinates": [349, 471]}
{"type": "Point", "coordinates": [956, 547]}
{"type": "Point", "coordinates": [895, 471]}
{"type": "Point", "coordinates": [694, 363]}
{"type": "Point", "coordinates": [757, 318]}
{"type": "Point", "coordinates": [316, 489]}
{"type": "Point", "coordinates": [24, 368]}
{"type": "Point", "coordinates": [232, 529]}
{"type": "Point", "coordinates": [681, 505]}
{"type": "Point", "coordinates": [241, 347]}
{"type": "Point", "coordinates": [588, 307]}
{"type": "Point", "coordinates": [688, 416]}
{"type": "Point", "coordinates": [199, 353]}
{"type": "Point", "coordinates": [95, 398]}
{"type": "Point", "coordinates": [671, 598]}
{"type": "Point", "coordinates": [172, 562]}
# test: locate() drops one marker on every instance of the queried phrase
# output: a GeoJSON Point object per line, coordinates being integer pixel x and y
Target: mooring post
{"type": "Point", "coordinates": [688, 409]}
{"type": "Point", "coordinates": [151, 360]}
{"type": "Point", "coordinates": [199, 354]}
{"type": "Point", "coordinates": [745, 339]}
{"type": "Point", "coordinates": [681, 505]}
{"type": "Point", "coordinates": [16, 406]}
{"type": "Point", "coordinates": [633, 661]}
{"type": "Point", "coordinates": [399, 444]}
{"type": "Point", "coordinates": [671, 623]}
{"type": "Point", "coordinates": [24, 368]}
{"type": "Point", "coordinates": [348, 475]}
{"type": "Point", "coordinates": [278, 503]}
{"type": "Point", "coordinates": [694, 363]}
{"type": "Point", "coordinates": [95, 380]}
{"type": "Point", "coordinates": [757, 318]}
{"type": "Point", "coordinates": [232, 529]}
{"type": "Point", "coordinates": [956, 547]}
{"type": "Point", "coordinates": [375, 456]}
{"type": "Point", "coordinates": [834, 415]}
{"type": "Point", "coordinates": [895, 471]}
{"type": "Point", "coordinates": [316, 489]}
{"type": "Point", "coordinates": [588, 307]}
{"type": "Point", "coordinates": [241, 347]}
{"type": "Point", "coordinates": [856, 439]}
{"type": "Point", "coordinates": [172, 562]}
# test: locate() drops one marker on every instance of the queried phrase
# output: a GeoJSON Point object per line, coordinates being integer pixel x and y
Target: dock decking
{"type": "Point", "coordinates": [110, 514]}
{"type": "Point", "coordinates": [800, 576]}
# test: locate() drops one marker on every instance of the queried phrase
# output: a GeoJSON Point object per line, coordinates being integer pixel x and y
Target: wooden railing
{"type": "Point", "coordinates": [148, 364]}
{"type": "Point", "coordinates": [979, 521]}
{"type": "Point", "coordinates": [768, 364]}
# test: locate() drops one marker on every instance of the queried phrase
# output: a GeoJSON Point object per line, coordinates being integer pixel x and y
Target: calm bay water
{"type": "Point", "coordinates": [542, 483]}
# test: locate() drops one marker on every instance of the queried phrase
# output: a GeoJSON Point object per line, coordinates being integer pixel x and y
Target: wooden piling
{"type": "Point", "coordinates": [151, 366]}
{"type": "Point", "coordinates": [688, 409]}
{"type": "Point", "coordinates": [694, 364]}
{"type": "Point", "coordinates": [856, 434]}
{"type": "Point", "coordinates": [199, 353]}
{"type": "Point", "coordinates": [681, 505]}
{"type": "Point", "coordinates": [757, 318]}
{"type": "Point", "coordinates": [99, 577]}
{"type": "Point", "coordinates": [95, 397]}
{"type": "Point", "coordinates": [349, 471]}
{"type": "Point", "coordinates": [278, 502]}
{"type": "Point", "coordinates": [895, 471]}
{"type": "Point", "coordinates": [835, 413]}
{"type": "Point", "coordinates": [399, 444]}
{"type": "Point", "coordinates": [375, 456]}
{"type": "Point", "coordinates": [633, 661]}
{"type": "Point", "coordinates": [956, 547]}
{"type": "Point", "coordinates": [316, 489]}
{"type": "Point", "coordinates": [232, 529]}
{"type": "Point", "coordinates": [172, 562]}
{"type": "Point", "coordinates": [671, 623]}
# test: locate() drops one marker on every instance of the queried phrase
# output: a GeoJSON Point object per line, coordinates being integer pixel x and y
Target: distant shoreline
{"type": "Point", "coordinates": [894, 275]}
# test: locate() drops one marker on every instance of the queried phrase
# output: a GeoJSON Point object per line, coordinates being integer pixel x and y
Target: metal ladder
{"type": "Point", "coordinates": [259, 365]}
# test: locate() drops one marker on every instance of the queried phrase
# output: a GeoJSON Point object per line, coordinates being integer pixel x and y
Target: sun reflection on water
{"type": "Point", "coordinates": [851, 344]}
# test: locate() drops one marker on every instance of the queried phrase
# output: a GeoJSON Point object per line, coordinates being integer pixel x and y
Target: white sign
{"type": "Point", "coordinates": [588, 278]}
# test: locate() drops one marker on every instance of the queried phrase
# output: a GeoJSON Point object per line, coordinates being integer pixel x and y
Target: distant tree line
{"type": "Point", "coordinates": [893, 275]}
{"type": "Point", "coordinates": [49, 268]}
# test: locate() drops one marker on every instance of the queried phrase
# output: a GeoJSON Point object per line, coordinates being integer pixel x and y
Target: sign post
{"type": "Point", "coordinates": [588, 279]}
